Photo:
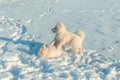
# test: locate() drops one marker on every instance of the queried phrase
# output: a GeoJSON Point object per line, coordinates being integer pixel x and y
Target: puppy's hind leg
{"type": "Point", "coordinates": [76, 50]}
{"type": "Point", "coordinates": [80, 50]}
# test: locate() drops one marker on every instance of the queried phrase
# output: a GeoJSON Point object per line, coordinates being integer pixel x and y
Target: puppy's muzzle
{"type": "Point", "coordinates": [54, 30]}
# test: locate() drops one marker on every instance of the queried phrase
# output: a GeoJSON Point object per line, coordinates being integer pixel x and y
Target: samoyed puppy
{"type": "Point", "coordinates": [63, 37]}
{"type": "Point", "coordinates": [50, 52]}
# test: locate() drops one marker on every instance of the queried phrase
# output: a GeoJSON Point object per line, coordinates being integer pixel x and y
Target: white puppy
{"type": "Point", "coordinates": [50, 52]}
{"type": "Point", "coordinates": [64, 37]}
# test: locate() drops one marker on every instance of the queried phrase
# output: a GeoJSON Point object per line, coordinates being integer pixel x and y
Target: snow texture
{"type": "Point", "coordinates": [26, 24]}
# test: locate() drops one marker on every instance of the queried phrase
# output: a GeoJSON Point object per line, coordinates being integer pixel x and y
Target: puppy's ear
{"type": "Point", "coordinates": [61, 24]}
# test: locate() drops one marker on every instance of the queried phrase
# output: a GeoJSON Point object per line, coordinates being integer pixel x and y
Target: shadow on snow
{"type": "Point", "coordinates": [33, 46]}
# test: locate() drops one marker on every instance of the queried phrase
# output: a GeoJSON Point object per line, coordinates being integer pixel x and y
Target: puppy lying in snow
{"type": "Point", "coordinates": [50, 52]}
{"type": "Point", "coordinates": [64, 37]}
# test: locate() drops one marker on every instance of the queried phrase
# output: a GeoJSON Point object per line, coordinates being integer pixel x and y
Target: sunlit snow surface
{"type": "Point", "coordinates": [26, 24]}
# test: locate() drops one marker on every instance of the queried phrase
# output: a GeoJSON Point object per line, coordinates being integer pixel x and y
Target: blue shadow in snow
{"type": "Point", "coordinates": [15, 72]}
{"type": "Point", "coordinates": [33, 46]}
{"type": "Point", "coordinates": [46, 67]}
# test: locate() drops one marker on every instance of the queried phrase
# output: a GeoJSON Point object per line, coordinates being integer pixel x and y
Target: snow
{"type": "Point", "coordinates": [25, 25]}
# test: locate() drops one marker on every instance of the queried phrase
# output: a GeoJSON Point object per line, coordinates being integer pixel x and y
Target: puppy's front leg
{"type": "Point", "coordinates": [60, 47]}
{"type": "Point", "coordinates": [52, 43]}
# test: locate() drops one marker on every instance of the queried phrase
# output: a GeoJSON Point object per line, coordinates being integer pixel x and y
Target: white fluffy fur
{"type": "Point", "coordinates": [50, 51]}
{"type": "Point", "coordinates": [64, 37]}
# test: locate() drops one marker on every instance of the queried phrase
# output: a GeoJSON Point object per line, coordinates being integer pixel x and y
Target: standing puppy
{"type": "Point", "coordinates": [64, 37]}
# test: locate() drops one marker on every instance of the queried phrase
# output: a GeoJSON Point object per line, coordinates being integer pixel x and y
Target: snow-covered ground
{"type": "Point", "coordinates": [26, 24]}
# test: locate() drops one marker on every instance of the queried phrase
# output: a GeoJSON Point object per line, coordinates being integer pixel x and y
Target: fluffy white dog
{"type": "Point", "coordinates": [64, 37]}
{"type": "Point", "coordinates": [50, 51]}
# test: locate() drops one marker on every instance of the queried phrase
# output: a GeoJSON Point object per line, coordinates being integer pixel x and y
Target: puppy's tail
{"type": "Point", "coordinates": [81, 34]}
